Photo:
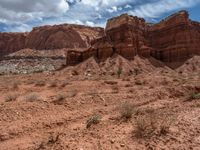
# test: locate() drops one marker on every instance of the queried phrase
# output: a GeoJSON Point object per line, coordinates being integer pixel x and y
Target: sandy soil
{"type": "Point", "coordinates": [49, 111]}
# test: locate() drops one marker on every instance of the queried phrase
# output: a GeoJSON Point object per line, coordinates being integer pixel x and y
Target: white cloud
{"type": "Point", "coordinates": [128, 6]}
{"type": "Point", "coordinates": [154, 10]}
{"type": "Point", "coordinates": [106, 3]}
{"type": "Point", "coordinates": [28, 10]}
{"type": "Point", "coordinates": [112, 9]}
{"type": "Point", "coordinates": [90, 23]}
{"type": "Point", "coordinates": [20, 28]}
{"type": "Point", "coordinates": [21, 15]}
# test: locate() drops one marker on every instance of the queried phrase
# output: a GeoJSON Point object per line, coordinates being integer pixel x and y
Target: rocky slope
{"type": "Point", "coordinates": [49, 38]}
{"type": "Point", "coordinates": [50, 111]}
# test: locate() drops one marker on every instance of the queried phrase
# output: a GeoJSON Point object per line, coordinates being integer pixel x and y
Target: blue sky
{"type": "Point", "coordinates": [22, 15]}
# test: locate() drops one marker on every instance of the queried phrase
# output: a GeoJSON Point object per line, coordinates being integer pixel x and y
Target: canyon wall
{"type": "Point", "coordinates": [49, 38]}
{"type": "Point", "coordinates": [128, 35]}
{"type": "Point", "coordinates": [62, 36]}
{"type": "Point", "coordinates": [173, 40]}
{"type": "Point", "coordinates": [11, 42]}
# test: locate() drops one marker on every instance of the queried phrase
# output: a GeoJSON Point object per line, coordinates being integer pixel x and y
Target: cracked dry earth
{"type": "Point", "coordinates": [49, 111]}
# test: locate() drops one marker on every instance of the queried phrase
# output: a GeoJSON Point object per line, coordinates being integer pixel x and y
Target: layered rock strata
{"type": "Point", "coordinates": [11, 42]}
{"type": "Point", "coordinates": [49, 38]}
{"type": "Point", "coordinates": [62, 36]}
{"type": "Point", "coordinates": [173, 40]}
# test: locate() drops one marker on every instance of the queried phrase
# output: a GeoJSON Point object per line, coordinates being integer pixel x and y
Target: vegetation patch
{"type": "Point", "coordinates": [60, 98]}
{"type": "Point", "coordinates": [126, 111]}
{"type": "Point", "coordinates": [95, 119]}
{"type": "Point", "coordinates": [31, 97]}
{"type": "Point", "coordinates": [147, 125]}
{"type": "Point", "coordinates": [11, 97]}
{"type": "Point", "coordinates": [193, 96]}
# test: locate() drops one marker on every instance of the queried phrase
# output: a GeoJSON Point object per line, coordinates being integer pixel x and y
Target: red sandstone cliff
{"type": "Point", "coordinates": [125, 35]}
{"type": "Point", "coordinates": [11, 42]}
{"type": "Point", "coordinates": [173, 40]}
{"type": "Point", "coordinates": [49, 37]}
{"type": "Point", "coordinates": [62, 36]}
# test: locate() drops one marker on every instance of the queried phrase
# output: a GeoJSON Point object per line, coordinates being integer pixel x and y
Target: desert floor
{"type": "Point", "coordinates": [55, 111]}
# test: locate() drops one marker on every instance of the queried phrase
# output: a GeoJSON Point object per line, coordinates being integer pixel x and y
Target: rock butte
{"type": "Point", "coordinates": [172, 41]}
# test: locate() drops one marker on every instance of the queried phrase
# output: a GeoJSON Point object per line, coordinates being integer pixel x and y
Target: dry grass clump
{"type": "Point", "coordinates": [59, 99]}
{"type": "Point", "coordinates": [145, 126]}
{"type": "Point", "coordinates": [151, 124]}
{"type": "Point", "coordinates": [95, 119]}
{"type": "Point", "coordinates": [126, 111]}
{"type": "Point", "coordinates": [31, 97]}
{"type": "Point", "coordinates": [40, 83]}
{"type": "Point", "coordinates": [11, 97]}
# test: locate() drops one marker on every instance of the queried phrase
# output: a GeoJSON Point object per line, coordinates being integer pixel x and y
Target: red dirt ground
{"type": "Point", "coordinates": [49, 123]}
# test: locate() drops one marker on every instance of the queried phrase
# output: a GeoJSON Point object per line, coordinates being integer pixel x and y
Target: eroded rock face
{"type": "Point", "coordinates": [128, 35]}
{"type": "Point", "coordinates": [49, 38]}
{"type": "Point", "coordinates": [62, 36]}
{"type": "Point", "coordinates": [175, 39]}
{"type": "Point", "coordinates": [11, 42]}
